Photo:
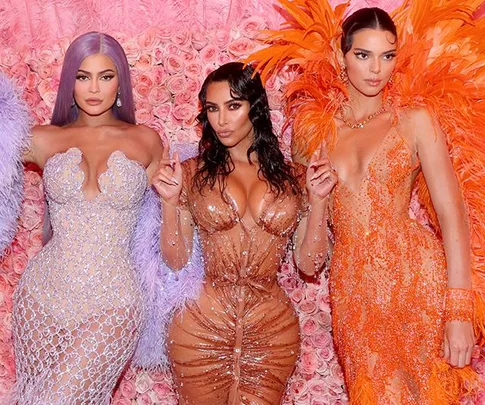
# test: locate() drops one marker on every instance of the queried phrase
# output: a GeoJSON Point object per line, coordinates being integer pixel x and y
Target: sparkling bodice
{"type": "Point", "coordinates": [91, 238]}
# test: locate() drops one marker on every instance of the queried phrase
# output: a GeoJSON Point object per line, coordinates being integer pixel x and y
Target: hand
{"type": "Point", "coordinates": [321, 177]}
{"type": "Point", "coordinates": [167, 180]}
{"type": "Point", "coordinates": [458, 343]}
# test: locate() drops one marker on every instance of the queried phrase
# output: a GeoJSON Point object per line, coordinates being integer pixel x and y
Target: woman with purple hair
{"type": "Point", "coordinates": [81, 305]}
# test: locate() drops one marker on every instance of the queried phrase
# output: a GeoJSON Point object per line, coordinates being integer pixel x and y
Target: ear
{"type": "Point", "coordinates": [340, 57]}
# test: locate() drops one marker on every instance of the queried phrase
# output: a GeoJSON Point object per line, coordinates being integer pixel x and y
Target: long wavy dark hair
{"type": "Point", "coordinates": [215, 162]}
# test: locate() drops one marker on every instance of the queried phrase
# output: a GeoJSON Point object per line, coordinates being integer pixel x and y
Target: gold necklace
{"type": "Point", "coordinates": [362, 123]}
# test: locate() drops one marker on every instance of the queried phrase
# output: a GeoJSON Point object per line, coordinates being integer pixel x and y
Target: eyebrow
{"type": "Point", "coordinates": [101, 73]}
{"type": "Point", "coordinates": [225, 102]}
{"type": "Point", "coordinates": [383, 53]}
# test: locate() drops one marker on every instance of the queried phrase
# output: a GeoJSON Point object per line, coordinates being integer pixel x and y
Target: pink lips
{"type": "Point", "coordinates": [373, 83]}
{"type": "Point", "coordinates": [93, 101]}
{"type": "Point", "coordinates": [224, 134]}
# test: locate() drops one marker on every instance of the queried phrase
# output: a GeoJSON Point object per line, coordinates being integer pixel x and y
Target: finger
{"type": "Point", "coordinates": [177, 167]}
{"type": "Point", "coordinates": [446, 350]}
{"type": "Point", "coordinates": [323, 149]}
{"type": "Point", "coordinates": [468, 356]}
{"type": "Point", "coordinates": [166, 150]}
{"type": "Point", "coordinates": [325, 177]}
{"type": "Point", "coordinates": [161, 177]}
{"type": "Point", "coordinates": [320, 171]}
{"type": "Point", "coordinates": [320, 162]}
{"type": "Point", "coordinates": [454, 356]}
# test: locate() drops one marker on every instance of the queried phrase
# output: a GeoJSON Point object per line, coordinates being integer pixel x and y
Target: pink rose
{"type": "Point", "coordinates": [144, 63]}
{"type": "Point", "coordinates": [143, 383]}
{"type": "Point", "coordinates": [176, 84]}
{"type": "Point", "coordinates": [161, 376]}
{"type": "Point", "coordinates": [221, 38]}
{"type": "Point", "coordinates": [33, 192]}
{"type": "Point", "coordinates": [31, 97]}
{"type": "Point", "coordinates": [162, 111]}
{"type": "Point", "coordinates": [275, 100]}
{"type": "Point", "coordinates": [159, 74]}
{"type": "Point", "coordinates": [209, 54]}
{"type": "Point", "coordinates": [30, 218]}
{"type": "Point", "coordinates": [309, 326]}
{"type": "Point", "coordinates": [165, 32]}
{"type": "Point", "coordinates": [158, 55]}
{"type": "Point", "coordinates": [121, 401]}
{"type": "Point", "coordinates": [223, 58]}
{"type": "Point", "coordinates": [132, 51]}
{"type": "Point", "coordinates": [288, 283]}
{"type": "Point", "coordinates": [119, 36]}
{"type": "Point", "coordinates": [45, 56]}
{"type": "Point", "coordinates": [307, 307]}
{"type": "Point", "coordinates": [272, 84]}
{"type": "Point", "coordinates": [159, 95]}
{"type": "Point", "coordinates": [309, 363]}
{"type": "Point", "coordinates": [184, 113]}
{"type": "Point", "coordinates": [20, 69]}
{"type": "Point", "coordinates": [127, 389]}
{"type": "Point", "coordinates": [193, 69]}
{"type": "Point", "coordinates": [208, 69]}
{"type": "Point", "coordinates": [324, 319]}
{"type": "Point", "coordinates": [322, 339]}
{"type": "Point", "coordinates": [143, 116]}
{"type": "Point", "coordinates": [32, 178]}
{"type": "Point", "coordinates": [148, 39]}
{"type": "Point", "coordinates": [9, 58]}
{"type": "Point", "coordinates": [174, 64]}
{"type": "Point", "coordinates": [193, 85]}
{"type": "Point", "coordinates": [184, 97]}
{"type": "Point", "coordinates": [311, 292]}
{"type": "Point", "coordinates": [162, 390]}
{"type": "Point", "coordinates": [323, 302]}
{"type": "Point", "coordinates": [182, 38]}
{"type": "Point", "coordinates": [144, 399]}
{"type": "Point", "coordinates": [171, 49]}
{"type": "Point", "coordinates": [241, 47]}
{"type": "Point", "coordinates": [188, 56]}
{"type": "Point", "coordinates": [318, 387]}
{"type": "Point", "coordinates": [130, 373]}
{"type": "Point", "coordinates": [251, 27]}
{"type": "Point", "coordinates": [199, 38]}
{"type": "Point", "coordinates": [296, 295]}
{"type": "Point", "coordinates": [143, 85]}
{"type": "Point", "coordinates": [298, 387]}
{"type": "Point", "coordinates": [277, 118]}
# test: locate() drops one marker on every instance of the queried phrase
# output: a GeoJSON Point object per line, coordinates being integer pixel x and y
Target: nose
{"type": "Point", "coordinates": [375, 66]}
{"type": "Point", "coordinates": [94, 86]}
{"type": "Point", "coordinates": [222, 119]}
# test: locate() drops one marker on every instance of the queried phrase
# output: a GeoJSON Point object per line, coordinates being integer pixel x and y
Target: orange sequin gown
{"type": "Point", "coordinates": [388, 277]}
{"type": "Point", "coordinates": [238, 343]}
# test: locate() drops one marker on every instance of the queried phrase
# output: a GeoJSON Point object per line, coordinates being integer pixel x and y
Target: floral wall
{"type": "Point", "coordinates": [169, 62]}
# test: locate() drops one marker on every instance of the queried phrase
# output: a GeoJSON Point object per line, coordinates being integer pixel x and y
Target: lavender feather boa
{"type": "Point", "coordinates": [165, 290]}
{"type": "Point", "coordinates": [14, 136]}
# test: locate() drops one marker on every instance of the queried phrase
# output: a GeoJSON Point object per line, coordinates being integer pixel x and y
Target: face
{"type": "Point", "coordinates": [371, 60]}
{"type": "Point", "coordinates": [96, 86]}
{"type": "Point", "coordinates": [229, 117]}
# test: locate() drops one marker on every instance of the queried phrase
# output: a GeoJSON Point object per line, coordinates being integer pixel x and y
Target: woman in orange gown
{"type": "Point", "coordinates": [238, 343]}
{"type": "Point", "coordinates": [402, 299]}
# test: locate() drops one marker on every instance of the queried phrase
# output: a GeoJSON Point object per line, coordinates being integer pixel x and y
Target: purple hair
{"type": "Point", "coordinates": [88, 44]}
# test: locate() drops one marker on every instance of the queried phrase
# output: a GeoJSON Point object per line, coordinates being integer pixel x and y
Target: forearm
{"type": "Point", "coordinates": [456, 240]}
{"type": "Point", "coordinates": [311, 244]}
{"type": "Point", "coordinates": [174, 245]}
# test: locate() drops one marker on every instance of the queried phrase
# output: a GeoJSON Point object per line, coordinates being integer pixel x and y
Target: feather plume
{"type": "Point", "coordinates": [14, 138]}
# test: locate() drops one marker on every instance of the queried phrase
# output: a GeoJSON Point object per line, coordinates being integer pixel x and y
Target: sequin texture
{"type": "Point", "coordinates": [387, 284]}
{"type": "Point", "coordinates": [78, 308]}
{"type": "Point", "coordinates": [238, 343]}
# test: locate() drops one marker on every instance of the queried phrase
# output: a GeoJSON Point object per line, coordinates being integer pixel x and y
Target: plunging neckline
{"type": "Point", "coordinates": [369, 165]}
{"type": "Point", "coordinates": [101, 175]}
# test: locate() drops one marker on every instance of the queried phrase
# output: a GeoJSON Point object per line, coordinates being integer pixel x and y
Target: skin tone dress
{"type": "Point", "coordinates": [238, 343]}
{"type": "Point", "coordinates": [78, 308]}
{"type": "Point", "coordinates": [387, 283]}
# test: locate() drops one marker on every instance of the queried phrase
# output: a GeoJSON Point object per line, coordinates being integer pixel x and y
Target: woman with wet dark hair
{"type": "Point", "coordinates": [239, 341]}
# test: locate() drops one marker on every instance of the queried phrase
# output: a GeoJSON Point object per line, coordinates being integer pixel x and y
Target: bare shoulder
{"type": "Point", "coordinates": [148, 136]}
{"type": "Point", "coordinates": [417, 118]}
{"type": "Point", "coordinates": [45, 138]}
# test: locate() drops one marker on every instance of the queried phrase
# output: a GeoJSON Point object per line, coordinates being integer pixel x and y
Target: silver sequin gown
{"type": "Point", "coordinates": [78, 308]}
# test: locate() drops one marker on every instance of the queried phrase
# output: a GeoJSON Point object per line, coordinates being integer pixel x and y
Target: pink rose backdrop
{"type": "Point", "coordinates": [171, 46]}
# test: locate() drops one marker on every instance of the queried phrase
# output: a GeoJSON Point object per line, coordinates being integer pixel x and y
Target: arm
{"type": "Point", "coordinates": [445, 194]}
{"type": "Point", "coordinates": [177, 227]}
{"type": "Point", "coordinates": [311, 241]}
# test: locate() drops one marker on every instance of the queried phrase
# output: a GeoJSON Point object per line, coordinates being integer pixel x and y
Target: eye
{"type": "Point", "coordinates": [234, 106]}
{"type": "Point", "coordinates": [82, 77]}
{"type": "Point", "coordinates": [107, 77]}
{"type": "Point", "coordinates": [389, 56]}
{"type": "Point", "coordinates": [361, 55]}
{"type": "Point", "coordinates": [211, 108]}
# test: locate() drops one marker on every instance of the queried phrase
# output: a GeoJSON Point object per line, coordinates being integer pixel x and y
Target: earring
{"type": "Point", "coordinates": [73, 102]}
{"type": "Point", "coordinates": [344, 78]}
{"type": "Point", "coordinates": [118, 101]}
